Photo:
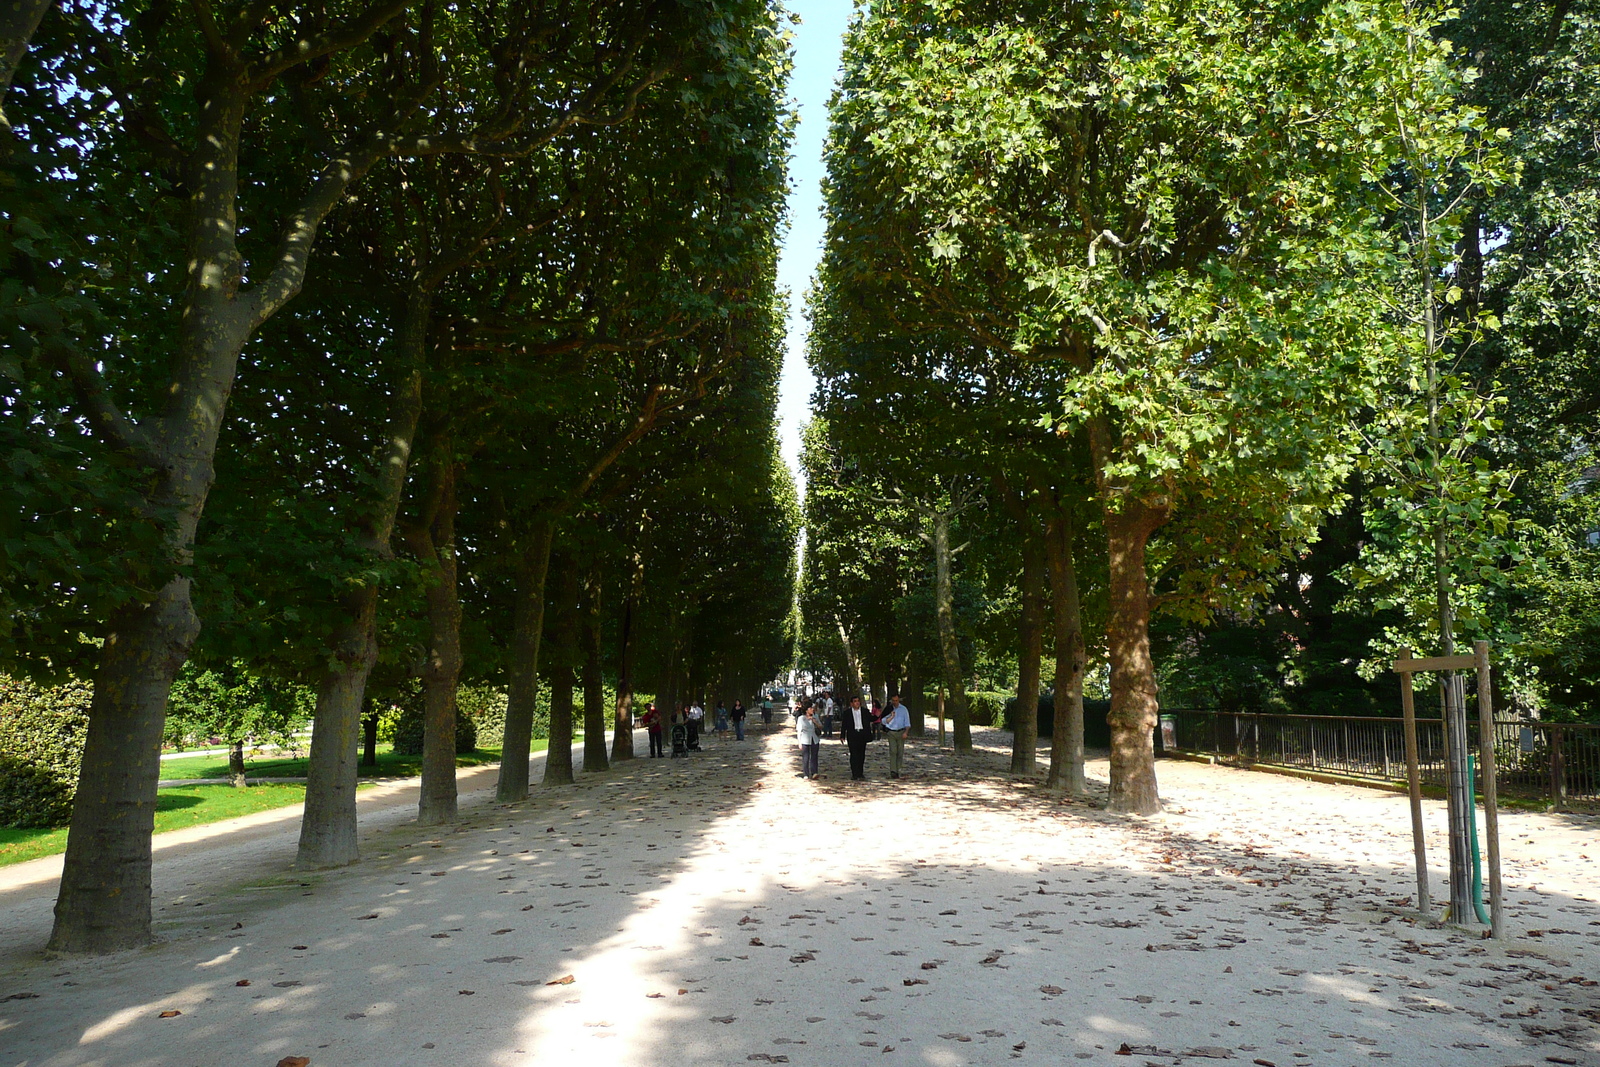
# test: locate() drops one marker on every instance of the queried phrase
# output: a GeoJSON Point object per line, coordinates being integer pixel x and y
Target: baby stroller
{"type": "Point", "coordinates": [680, 739]}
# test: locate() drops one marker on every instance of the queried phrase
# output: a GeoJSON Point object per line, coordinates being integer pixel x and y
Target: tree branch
{"type": "Point", "coordinates": [264, 69]}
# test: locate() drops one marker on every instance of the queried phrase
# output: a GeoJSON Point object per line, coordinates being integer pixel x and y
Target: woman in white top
{"type": "Point", "coordinates": [808, 732]}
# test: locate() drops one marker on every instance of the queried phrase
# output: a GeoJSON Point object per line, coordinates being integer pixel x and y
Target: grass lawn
{"type": "Point", "coordinates": [389, 765]}
{"type": "Point", "coordinates": [196, 805]}
{"type": "Point", "coordinates": [191, 805]}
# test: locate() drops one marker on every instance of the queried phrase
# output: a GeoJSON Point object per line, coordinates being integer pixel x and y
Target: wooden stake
{"type": "Point", "coordinates": [1491, 803]}
{"type": "Point", "coordinates": [1414, 781]}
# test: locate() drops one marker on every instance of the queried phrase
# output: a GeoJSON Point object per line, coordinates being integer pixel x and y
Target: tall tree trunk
{"type": "Point", "coordinates": [1030, 647]}
{"type": "Point", "coordinates": [104, 901]}
{"type": "Point", "coordinates": [522, 690]}
{"type": "Point", "coordinates": [558, 757]}
{"type": "Point", "coordinates": [880, 684]}
{"type": "Point", "coordinates": [1129, 522]}
{"type": "Point", "coordinates": [594, 699]}
{"type": "Point", "coordinates": [328, 824]}
{"type": "Point", "coordinates": [622, 741]}
{"type": "Point", "coordinates": [1066, 739]}
{"type": "Point", "coordinates": [369, 736]}
{"type": "Point", "coordinates": [433, 542]}
{"type": "Point", "coordinates": [852, 667]}
{"type": "Point", "coordinates": [949, 648]}
{"type": "Point", "coordinates": [912, 697]}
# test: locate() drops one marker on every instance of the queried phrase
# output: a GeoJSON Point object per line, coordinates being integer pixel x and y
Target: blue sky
{"type": "Point", "coordinates": [816, 64]}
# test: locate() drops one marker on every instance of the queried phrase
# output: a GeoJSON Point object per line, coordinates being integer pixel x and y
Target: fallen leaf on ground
{"type": "Point", "coordinates": [168, 1014]}
{"type": "Point", "coordinates": [566, 979]}
{"type": "Point", "coordinates": [295, 1061]}
{"type": "Point", "coordinates": [360, 918]}
{"type": "Point", "coordinates": [497, 933]}
{"type": "Point", "coordinates": [242, 982]}
{"type": "Point", "coordinates": [1052, 991]}
{"type": "Point", "coordinates": [467, 992]}
{"type": "Point", "coordinates": [915, 981]}
{"type": "Point", "coordinates": [722, 1018]}
{"type": "Point", "coordinates": [655, 996]}
{"type": "Point", "coordinates": [930, 966]}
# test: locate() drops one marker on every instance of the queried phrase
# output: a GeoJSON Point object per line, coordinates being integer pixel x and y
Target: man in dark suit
{"type": "Point", "coordinates": [857, 732]}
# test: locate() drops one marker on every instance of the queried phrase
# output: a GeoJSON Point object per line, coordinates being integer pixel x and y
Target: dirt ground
{"type": "Point", "coordinates": [720, 910]}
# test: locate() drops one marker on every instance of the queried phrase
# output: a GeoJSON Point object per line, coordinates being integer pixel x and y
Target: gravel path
{"type": "Point", "coordinates": [719, 910]}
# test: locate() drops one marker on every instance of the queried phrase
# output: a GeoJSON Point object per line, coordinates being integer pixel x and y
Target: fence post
{"type": "Point", "coordinates": [1558, 770]}
{"type": "Point", "coordinates": [1414, 781]}
{"type": "Point", "coordinates": [1491, 801]}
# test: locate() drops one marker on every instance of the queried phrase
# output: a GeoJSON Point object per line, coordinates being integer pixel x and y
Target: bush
{"type": "Point", "coordinates": [987, 709]}
{"type": "Point", "coordinates": [405, 726]}
{"type": "Point", "coordinates": [42, 731]}
{"type": "Point", "coordinates": [1096, 732]}
{"type": "Point", "coordinates": [486, 707]}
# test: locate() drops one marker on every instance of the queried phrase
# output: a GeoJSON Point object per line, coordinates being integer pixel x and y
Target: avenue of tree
{"type": "Point", "coordinates": [378, 343]}
{"type": "Point", "coordinates": [1216, 349]}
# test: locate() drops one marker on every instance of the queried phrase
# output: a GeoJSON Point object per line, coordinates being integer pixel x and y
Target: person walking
{"type": "Point", "coordinates": [766, 711]}
{"type": "Point", "coordinates": [827, 714]}
{"type": "Point", "coordinates": [737, 715]}
{"type": "Point", "coordinates": [896, 721]}
{"type": "Point", "coordinates": [696, 715]}
{"type": "Point", "coordinates": [807, 731]}
{"type": "Point", "coordinates": [719, 720]}
{"type": "Point", "coordinates": [651, 721]}
{"type": "Point", "coordinates": [857, 732]}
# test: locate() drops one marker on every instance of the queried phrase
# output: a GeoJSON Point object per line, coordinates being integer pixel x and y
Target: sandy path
{"type": "Point", "coordinates": [719, 910]}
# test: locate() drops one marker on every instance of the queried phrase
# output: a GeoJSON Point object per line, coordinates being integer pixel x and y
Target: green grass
{"type": "Point", "coordinates": [196, 805]}
{"type": "Point", "coordinates": [193, 805]}
{"type": "Point", "coordinates": [389, 765]}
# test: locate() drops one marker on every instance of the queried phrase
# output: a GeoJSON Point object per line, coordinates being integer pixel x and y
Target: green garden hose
{"type": "Point", "coordinates": [1472, 830]}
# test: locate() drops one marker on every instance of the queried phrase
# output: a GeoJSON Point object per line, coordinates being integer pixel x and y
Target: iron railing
{"type": "Point", "coordinates": [1558, 762]}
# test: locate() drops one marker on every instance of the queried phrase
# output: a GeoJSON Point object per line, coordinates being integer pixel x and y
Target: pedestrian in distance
{"type": "Point", "coordinates": [808, 733]}
{"type": "Point", "coordinates": [896, 721]}
{"type": "Point", "coordinates": [857, 732]}
{"type": "Point", "coordinates": [827, 714]}
{"type": "Point", "coordinates": [737, 715]}
{"type": "Point", "coordinates": [766, 712]}
{"type": "Point", "coordinates": [697, 718]}
{"type": "Point", "coordinates": [651, 721]}
{"type": "Point", "coordinates": [719, 722]}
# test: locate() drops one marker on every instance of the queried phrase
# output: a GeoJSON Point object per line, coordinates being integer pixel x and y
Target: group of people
{"type": "Point", "coordinates": [683, 732]}
{"type": "Point", "coordinates": [859, 725]}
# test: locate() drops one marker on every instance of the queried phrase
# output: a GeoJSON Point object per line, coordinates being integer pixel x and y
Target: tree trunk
{"type": "Point", "coordinates": [558, 757]}
{"type": "Point", "coordinates": [522, 690]}
{"type": "Point", "coordinates": [594, 699]}
{"type": "Point", "coordinates": [1129, 522]}
{"type": "Point", "coordinates": [1030, 646]}
{"type": "Point", "coordinates": [1066, 740]}
{"type": "Point", "coordinates": [433, 542]}
{"type": "Point", "coordinates": [328, 824]}
{"type": "Point", "coordinates": [18, 21]}
{"type": "Point", "coordinates": [622, 741]}
{"type": "Point", "coordinates": [104, 901]}
{"type": "Point", "coordinates": [912, 697]}
{"type": "Point", "coordinates": [880, 684]}
{"type": "Point", "coordinates": [369, 738]}
{"type": "Point", "coordinates": [852, 667]}
{"type": "Point", "coordinates": [949, 648]}
{"type": "Point", "coordinates": [236, 775]}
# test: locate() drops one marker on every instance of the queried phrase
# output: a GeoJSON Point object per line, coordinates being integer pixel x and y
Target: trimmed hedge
{"type": "Point", "coordinates": [986, 709]}
{"type": "Point", "coordinates": [42, 731]}
{"type": "Point", "coordinates": [1096, 731]}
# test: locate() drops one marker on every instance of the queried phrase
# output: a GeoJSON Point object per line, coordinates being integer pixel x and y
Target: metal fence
{"type": "Point", "coordinates": [1535, 760]}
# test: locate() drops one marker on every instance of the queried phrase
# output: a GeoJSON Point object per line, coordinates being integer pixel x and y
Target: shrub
{"type": "Point", "coordinates": [42, 730]}
{"type": "Point", "coordinates": [987, 709]}
{"type": "Point", "coordinates": [405, 728]}
{"type": "Point", "coordinates": [486, 707]}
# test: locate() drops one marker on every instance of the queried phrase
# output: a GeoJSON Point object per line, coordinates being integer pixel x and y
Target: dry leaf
{"type": "Point", "coordinates": [467, 992]}
{"type": "Point", "coordinates": [566, 979]}
{"type": "Point", "coordinates": [295, 1061]}
{"type": "Point", "coordinates": [362, 918]}
{"type": "Point", "coordinates": [169, 1014]}
{"type": "Point", "coordinates": [242, 982]}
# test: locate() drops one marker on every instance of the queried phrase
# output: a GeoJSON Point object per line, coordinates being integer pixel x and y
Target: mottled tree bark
{"type": "Point", "coordinates": [949, 648]}
{"type": "Point", "coordinates": [1129, 521]}
{"type": "Point", "coordinates": [594, 701]}
{"type": "Point", "coordinates": [564, 638]}
{"type": "Point", "coordinates": [1066, 741]}
{"type": "Point", "coordinates": [1030, 647]}
{"type": "Point", "coordinates": [522, 690]}
{"type": "Point", "coordinates": [433, 541]}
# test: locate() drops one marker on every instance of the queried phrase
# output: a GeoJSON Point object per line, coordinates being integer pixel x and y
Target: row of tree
{"type": "Point", "coordinates": [380, 342]}
{"type": "Point", "coordinates": [1143, 326]}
